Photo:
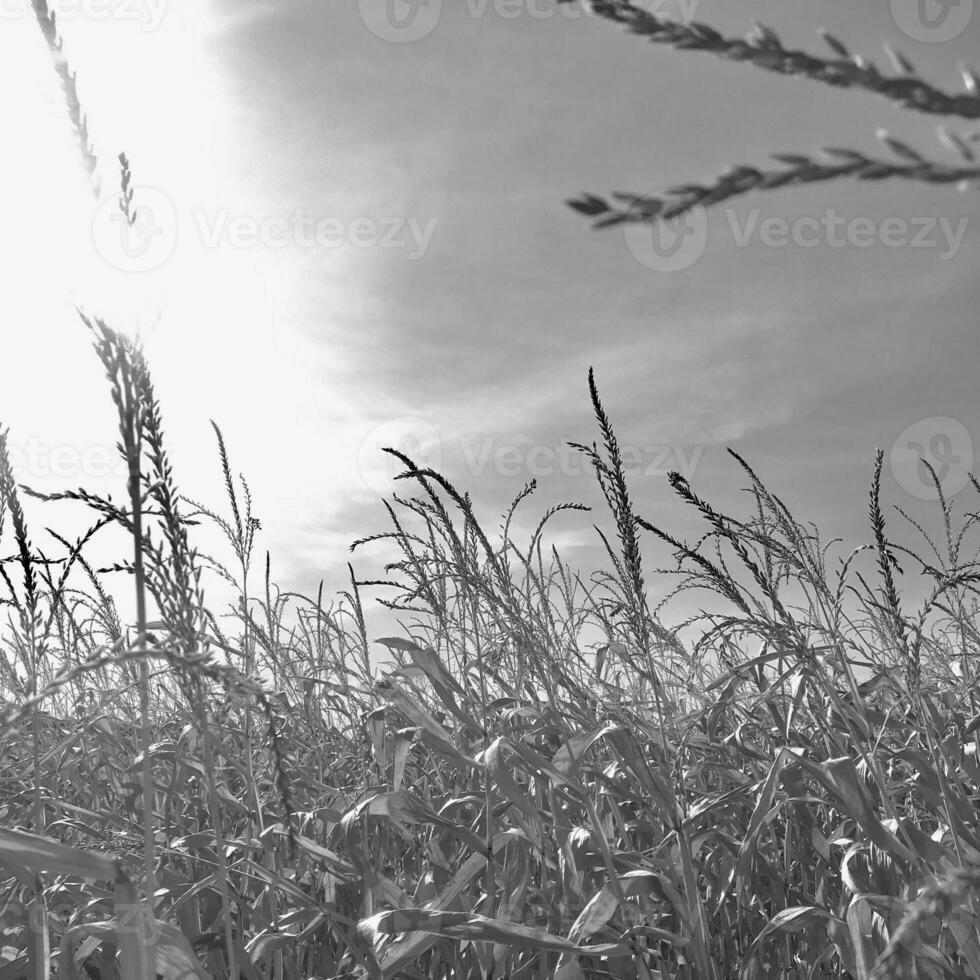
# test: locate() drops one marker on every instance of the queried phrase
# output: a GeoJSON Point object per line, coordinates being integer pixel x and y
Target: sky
{"type": "Point", "coordinates": [353, 234]}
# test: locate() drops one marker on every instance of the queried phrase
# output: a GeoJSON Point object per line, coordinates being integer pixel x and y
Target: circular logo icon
{"type": "Point", "coordinates": [145, 243]}
{"type": "Point", "coordinates": [413, 437]}
{"type": "Point", "coordinates": [932, 21]}
{"type": "Point", "coordinates": [671, 244]}
{"type": "Point", "coordinates": [400, 21]}
{"type": "Point", "coordinates": [944, 444]}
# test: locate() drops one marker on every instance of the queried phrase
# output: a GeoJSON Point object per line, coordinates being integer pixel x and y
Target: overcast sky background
{"type": "Point", "coordinates": [470, 330]}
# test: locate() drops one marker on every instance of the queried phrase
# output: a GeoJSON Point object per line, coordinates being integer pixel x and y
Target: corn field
{"type": "Point", "coordinates": [793, 795]}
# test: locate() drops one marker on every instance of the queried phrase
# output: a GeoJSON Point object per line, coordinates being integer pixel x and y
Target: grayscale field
{"type": "Point", "coordinates": [487, 490]}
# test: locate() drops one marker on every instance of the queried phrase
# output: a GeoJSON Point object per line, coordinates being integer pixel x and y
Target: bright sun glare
{"type": "Point", "coordinates": [150, 91]}
{"type": "Point", "coordinates": [135, 64]}
{"type": "Point", "coordinates": [210, 314]}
